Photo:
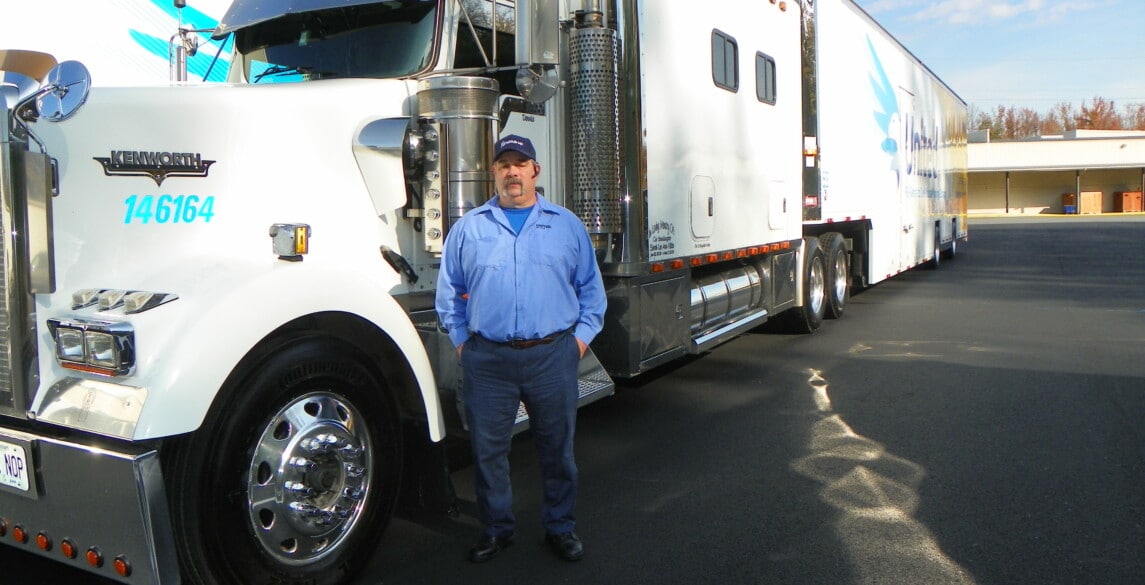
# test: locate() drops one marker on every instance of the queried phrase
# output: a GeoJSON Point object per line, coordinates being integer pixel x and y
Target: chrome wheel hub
{"type": "Point", "coordinates": [308, 478]}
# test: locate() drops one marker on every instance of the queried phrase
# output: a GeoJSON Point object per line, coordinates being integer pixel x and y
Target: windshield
{"type": "Point", "coordinates": [385, 39]}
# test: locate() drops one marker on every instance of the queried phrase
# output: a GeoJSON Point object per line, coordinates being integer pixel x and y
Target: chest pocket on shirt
{"type": "Point", "coordinates": [551, 255]}
{"type": "Point", "coordinates": [490, 252]}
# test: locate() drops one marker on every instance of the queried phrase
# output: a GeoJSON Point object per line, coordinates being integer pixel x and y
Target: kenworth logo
{"type": "Point", "coordinates": [154, 164]}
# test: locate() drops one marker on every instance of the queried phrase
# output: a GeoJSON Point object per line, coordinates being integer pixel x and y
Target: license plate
{"type": "Point", "coordinates": [13, 466]}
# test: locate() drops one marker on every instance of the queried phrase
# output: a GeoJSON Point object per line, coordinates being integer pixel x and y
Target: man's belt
{"type": "Point", "coordinates": [527, 343]}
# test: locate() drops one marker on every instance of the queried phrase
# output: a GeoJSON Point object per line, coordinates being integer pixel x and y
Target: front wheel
{"type": "Point", "coordinates": [293, 475]}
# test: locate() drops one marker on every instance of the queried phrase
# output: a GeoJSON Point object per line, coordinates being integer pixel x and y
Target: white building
{"type": "Point", "coordinates": [1031, 176]}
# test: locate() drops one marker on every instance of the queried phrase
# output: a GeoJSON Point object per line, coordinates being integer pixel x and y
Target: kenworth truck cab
{"type": "Point", "coordinates": [220, 355]}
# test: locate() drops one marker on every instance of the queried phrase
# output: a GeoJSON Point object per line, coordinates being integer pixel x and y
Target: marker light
{"type": "Point", "coordinates": [290, 241]}
{"type": "Point", "coordinates": [68, 548]}
{"type": "Point", "coordinates": [19, 534]}
{"type": "Point", "coordinates": [122, 567]}
{"type": "Point", "coordinates": [94, 557]}
{"type": "Point", "coordinates": [43, 541]}
{"type": "Point", "coordinates": [132, 301]}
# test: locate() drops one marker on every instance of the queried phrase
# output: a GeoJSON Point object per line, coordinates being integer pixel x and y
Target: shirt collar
{"type": "Point", "coordinates": [542, 204]}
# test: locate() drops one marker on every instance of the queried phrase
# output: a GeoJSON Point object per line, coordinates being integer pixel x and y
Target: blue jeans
{"type": "Point", "coordinates": [496, 379]}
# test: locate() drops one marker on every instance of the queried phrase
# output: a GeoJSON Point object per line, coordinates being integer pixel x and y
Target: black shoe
{"type": "Point", "coordinates": [487, 546]}
{"type": "Point", "coordinates": [567, 545]}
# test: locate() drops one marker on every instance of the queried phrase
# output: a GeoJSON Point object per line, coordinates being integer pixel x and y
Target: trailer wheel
{"type": "Point", "coordinates": [950, 252]}
{"type": "Point", "coordinates": [294, 474]}
{"type": "Point", "coordinates": [808, 318]}
{"type": "Point", "coordinates": [838, 288]}
{"type": "Point", "coordinates": [936, 257]}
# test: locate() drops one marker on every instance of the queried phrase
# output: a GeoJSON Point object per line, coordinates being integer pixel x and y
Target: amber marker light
{"type": "Point", "coordinates": [677, 264]}
{"type": "Point", "coordinates": [19, 534]}
{"type": "Point", "coordinates": [94, 557]}
{"type": "Point", "coordinates": [657, 268]}
{"type": "Point", "coordinates": [713, 258]}
{"type": "Point", "coordinates": [68, 548]}
{"type": "Point", "coordinates": [697, 261]}
{"type": "Point", "coordinates": [43, 541]}
{"type": "Point", "coordinates": [122, 567]}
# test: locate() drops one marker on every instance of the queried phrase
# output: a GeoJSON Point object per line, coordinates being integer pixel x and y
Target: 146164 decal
{"type": "Point", "coordinates": [169, 209]}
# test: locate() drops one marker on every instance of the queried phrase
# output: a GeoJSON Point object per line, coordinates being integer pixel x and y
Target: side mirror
{"type": "Point", "coordinates": [537, 40]}
{"type": "Point", "coordinates": [65, 90]}
{"type": "Point", "coordinates": [538, 27]}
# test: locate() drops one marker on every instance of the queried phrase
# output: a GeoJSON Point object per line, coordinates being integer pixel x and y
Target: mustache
{"type": "Point", "coordinates": [513, 181]}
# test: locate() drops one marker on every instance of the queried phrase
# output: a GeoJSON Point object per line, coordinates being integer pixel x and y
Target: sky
{"type": "Point", "coordinates": [1025, 53]}
{"type": "Point", "coordinates": [1021, 53]}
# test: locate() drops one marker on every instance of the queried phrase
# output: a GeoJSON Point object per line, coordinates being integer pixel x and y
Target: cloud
{"type": "Point", "coordinates": [963, 12]}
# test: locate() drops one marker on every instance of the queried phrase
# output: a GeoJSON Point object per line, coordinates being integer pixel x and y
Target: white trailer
{"type": "Point", "coordinates": [218, 297]}
{"type": "Point", "coordinates": [892, 146]}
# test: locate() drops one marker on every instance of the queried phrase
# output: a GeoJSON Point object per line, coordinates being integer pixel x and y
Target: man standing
{"type": "Point", "coordinates": [521, 296]}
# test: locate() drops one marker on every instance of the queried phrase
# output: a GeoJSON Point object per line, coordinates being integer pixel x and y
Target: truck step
{"type": "Point", "coordinates": [593, 383]}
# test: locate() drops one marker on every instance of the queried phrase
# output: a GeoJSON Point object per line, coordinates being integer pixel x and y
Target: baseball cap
{"type": "Point", "coordinates": [518, 143]}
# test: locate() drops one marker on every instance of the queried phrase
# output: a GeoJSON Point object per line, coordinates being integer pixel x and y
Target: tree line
{"type": "Point", "coordinates": [1010, 122]}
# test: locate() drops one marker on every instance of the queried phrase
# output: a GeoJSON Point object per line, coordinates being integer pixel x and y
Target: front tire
{"type": "Point", "coordinates": [294, 473]}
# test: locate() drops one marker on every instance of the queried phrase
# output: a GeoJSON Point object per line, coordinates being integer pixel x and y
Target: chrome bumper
{"type": "Point", "coordinates": [112, 501]}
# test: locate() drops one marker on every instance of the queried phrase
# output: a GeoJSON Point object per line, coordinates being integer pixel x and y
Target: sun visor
{"type": "Point", "coordinates": [244, 13]}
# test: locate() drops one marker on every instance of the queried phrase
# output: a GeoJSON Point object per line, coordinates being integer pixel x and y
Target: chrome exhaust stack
{"type": "Point", "coordinates": [454, 133]}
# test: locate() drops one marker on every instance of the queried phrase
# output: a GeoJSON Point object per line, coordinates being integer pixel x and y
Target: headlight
{"type": "Point", "coordinates": [97, 347]}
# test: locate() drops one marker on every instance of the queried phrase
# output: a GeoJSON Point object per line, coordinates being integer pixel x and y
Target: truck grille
{"type": "Point", "coordinates": [11, 176]}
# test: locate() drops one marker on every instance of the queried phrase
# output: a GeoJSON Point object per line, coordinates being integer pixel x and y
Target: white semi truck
{"type": "Point", "coordinates": [221, 359]}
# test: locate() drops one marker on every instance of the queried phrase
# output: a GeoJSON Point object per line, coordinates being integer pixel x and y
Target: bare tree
{"type": "Point", "coordinates": [1135, 117]}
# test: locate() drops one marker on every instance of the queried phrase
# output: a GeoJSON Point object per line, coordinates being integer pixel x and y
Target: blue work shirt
{"type": "Point", "coordinates": [501, 285]}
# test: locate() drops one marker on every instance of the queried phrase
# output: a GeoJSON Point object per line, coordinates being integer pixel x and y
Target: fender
{"type": "Point", "coordinates": [186, 348]}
